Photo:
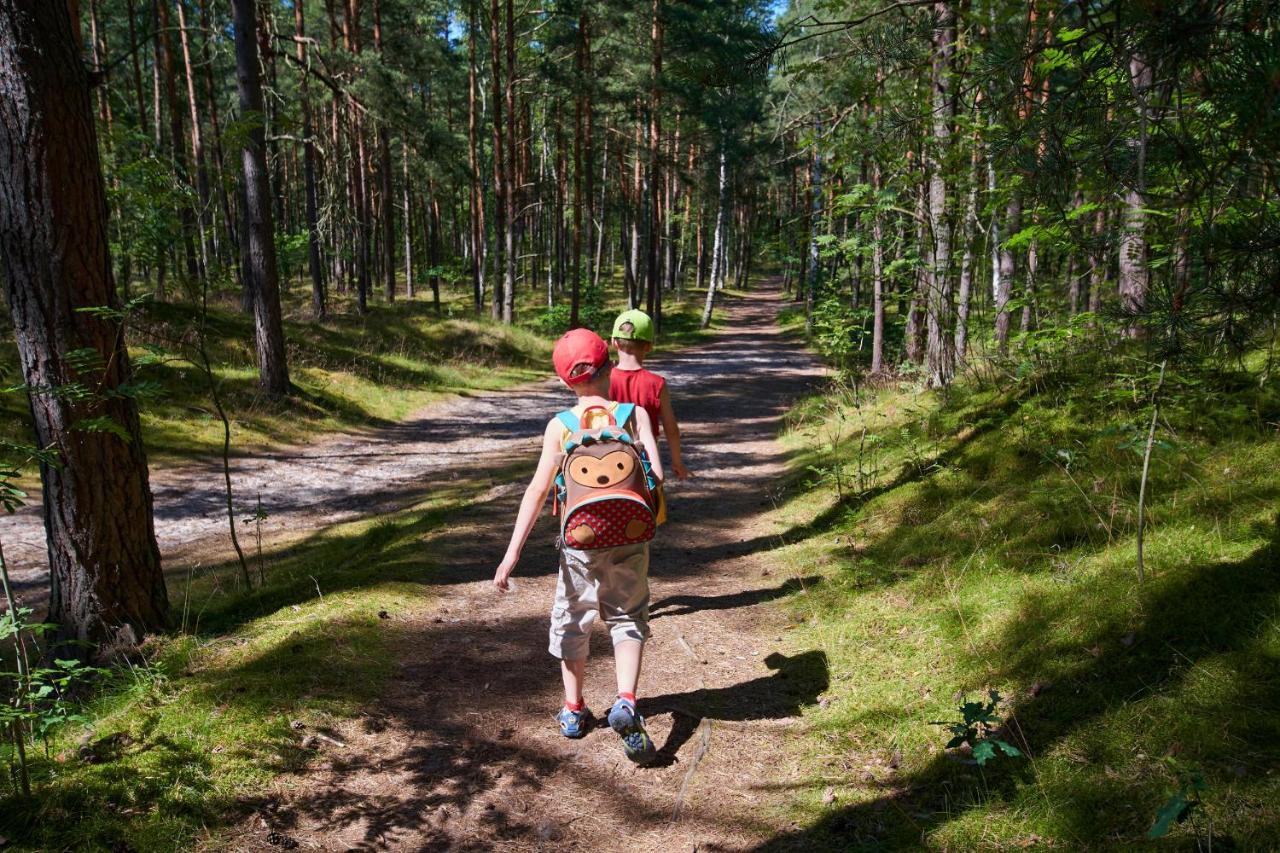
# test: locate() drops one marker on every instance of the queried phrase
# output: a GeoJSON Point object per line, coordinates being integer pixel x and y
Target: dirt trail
{"type": "Point", "coordinates": [462, 753]}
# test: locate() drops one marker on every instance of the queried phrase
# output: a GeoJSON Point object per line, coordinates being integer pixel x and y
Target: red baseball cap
{"type": "Point", "coordinates": [579, 347]}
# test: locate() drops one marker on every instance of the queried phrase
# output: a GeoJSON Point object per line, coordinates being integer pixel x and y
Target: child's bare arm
{"type": "Point", "coordinates": [644, 428]}
{"type": "Point", "coordinates": [672, 429]}
{"type": "Point", "coordinates": [534, 497]}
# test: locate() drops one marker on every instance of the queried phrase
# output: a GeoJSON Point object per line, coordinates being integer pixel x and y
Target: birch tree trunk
{"type": "Point", "coordinates": [717, 264]}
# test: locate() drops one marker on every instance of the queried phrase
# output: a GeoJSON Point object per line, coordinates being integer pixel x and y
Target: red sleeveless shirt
{"type": "Point", "coordinates": [642, 387]}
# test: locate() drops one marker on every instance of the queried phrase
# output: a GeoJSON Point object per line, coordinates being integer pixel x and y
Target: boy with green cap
{"type": "Point", "coordinates": [632, 383]}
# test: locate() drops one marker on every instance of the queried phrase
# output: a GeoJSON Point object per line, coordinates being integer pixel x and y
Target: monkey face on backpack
{"type": "Point", "coordinates": [605, 490]}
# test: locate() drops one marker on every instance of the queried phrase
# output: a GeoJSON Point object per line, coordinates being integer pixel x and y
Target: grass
{"type": "Point", "coordinates": [985, 540]}
{"type": "Point", "coordinates": [184, 736]}
{"type": "Point", "coordinates": [350, 372]}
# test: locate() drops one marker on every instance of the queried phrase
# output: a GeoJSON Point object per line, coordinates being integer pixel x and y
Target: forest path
{"type": "Point", "coordinates": [462, 752]}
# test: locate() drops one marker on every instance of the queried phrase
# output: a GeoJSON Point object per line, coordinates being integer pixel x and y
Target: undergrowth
{"type": "Point", "coordinates": [983, 540]}
{"type": "Point", "coordinates": [177, 740]}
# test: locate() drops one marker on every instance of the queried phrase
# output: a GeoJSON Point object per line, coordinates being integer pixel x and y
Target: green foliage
{"type": "Point", "coordinates": [994, 544]}
{"type": "Point", "coordinates": [841, 333]}
{"type": "Point", "coordinates": [980, 730]}
{"type": "Point", "coordinates": [35, 701]}
{"type": "Point", "coordinates": [1181, 805]}
{"type": "Point", "coordinates": [147, 197]}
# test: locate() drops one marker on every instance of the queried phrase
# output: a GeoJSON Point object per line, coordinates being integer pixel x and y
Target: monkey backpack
{"type": "Point", "coordinates": [606, 493]}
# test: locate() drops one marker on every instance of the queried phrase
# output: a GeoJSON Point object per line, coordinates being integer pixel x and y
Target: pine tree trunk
{"type": "Point", "coordinates": [166, 66]}
{"type": "Point", "coordinates": [653, 271]}
{"type": "Point", "coordinates": [1098, 261]}
{"type": "Point", "coordinates": [107, 588]}
{"type": "Point", "coordinates": [384, 172]}
{"type": "Point", "coordinates": [1004, 285]}
{"type": "Point", "coordinates": [579, 131]}
{"type": "Point", "coordinates": [509, 191]}
{"type": "Point", "coordinates": [259, 230]}
{"type": "Point", "coordinates": [968, 235]}
{"type": "Point", "coordinates": [476, 188]}
{"type": "Point", "coordinates": [940, 339]}
{"type": "Point", "coordinates": [406, 195]}
{"type": "Point", "coordinates": [1133, 281]}
{"type": "Point", "coordinates": [309, 173]}
{"type": "Point", "coordinates": [499, 155]}
{"type": "Point", "coordinates": [197, 141]}
{"type": "Point", "coordinates": [877, 278]}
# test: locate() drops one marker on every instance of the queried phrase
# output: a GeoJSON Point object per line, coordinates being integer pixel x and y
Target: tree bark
{"type": "Point", "coordinates": [107, 588]}
{"type": "Point", "coordinates": [384, 173]}
{"type": "Point", "coordinates": [259, 229]}
{"type": "Point", "coordinates": [1133, 281]}
{"type": "Point", "coordinates": [318, 308]}
{"type": "Point", "coordinates": [476, 188]}
{"type": "Point", "coordinates": [579, 131]}
{"type": "Point", "coordinates": [510, 191]}
{"type": "Point", "coordinates": [653, 272]}
{"type": "Point", "coordinates": [940, 345]}
{"type": "Point", "coordinates": [406, 195]}
{"type": "Point", "coordinates": [166, 66]}
{"type": "Point", "coordinates": [1004, 284]}
{"type": "Point", "coordinates": [717, 264]}
{"type": "Point", "coordinates": [499, 168]}
{"type": "Point", "coordinates": [197, 140]}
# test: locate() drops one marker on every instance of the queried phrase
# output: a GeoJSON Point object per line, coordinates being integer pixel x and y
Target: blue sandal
{"type": "Point", "coordinates": [574, 724]}
{"type": "Point", "coordinates": [629, 725]}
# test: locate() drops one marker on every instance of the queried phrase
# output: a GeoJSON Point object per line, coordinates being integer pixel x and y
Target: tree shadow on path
{"type": "Point", "coordinates": [683, 605]}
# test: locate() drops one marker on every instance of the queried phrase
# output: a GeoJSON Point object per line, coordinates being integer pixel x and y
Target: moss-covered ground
{"type": "Point", "coordinates": [984, 539]}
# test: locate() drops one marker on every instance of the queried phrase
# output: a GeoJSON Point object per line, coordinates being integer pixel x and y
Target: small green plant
{"type": "Point", "coordinates": [979, 728]}
{"type": "Point", "coordinates": [1182, 805]}
{"type": "Point", "coordinates": [841, 333]}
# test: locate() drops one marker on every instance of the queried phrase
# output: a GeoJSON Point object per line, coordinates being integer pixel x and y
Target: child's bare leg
{"type": "Point", "coordinates": [626, 659]}
{"type": "Point", "coordinates": [573, 672]}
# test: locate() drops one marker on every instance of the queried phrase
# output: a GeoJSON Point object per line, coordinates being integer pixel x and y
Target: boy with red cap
{"type": "Point", "coordinates": [612, 582]}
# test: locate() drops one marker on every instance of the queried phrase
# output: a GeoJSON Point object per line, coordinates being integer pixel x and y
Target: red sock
{"type": "Point", "coordinates": [630, 697]}
{"type": "Point", "coordinates": [573, 706]}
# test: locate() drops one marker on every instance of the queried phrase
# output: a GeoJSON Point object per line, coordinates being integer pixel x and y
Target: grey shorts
{"type": "Point", "coordinates": [613, 582]}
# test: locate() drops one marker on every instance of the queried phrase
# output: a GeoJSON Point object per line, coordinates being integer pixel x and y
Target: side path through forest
{"type": "Point", "coordinates": [462, 752]}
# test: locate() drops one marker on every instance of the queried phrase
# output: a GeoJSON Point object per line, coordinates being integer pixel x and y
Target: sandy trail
{"type": "Point", "coordinates": [462, 752]}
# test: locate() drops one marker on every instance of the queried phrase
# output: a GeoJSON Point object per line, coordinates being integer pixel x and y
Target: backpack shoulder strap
{"type": "Point", "coordinates": [622, 414]}
{"type": "Point", "coordinates": [569, 419]}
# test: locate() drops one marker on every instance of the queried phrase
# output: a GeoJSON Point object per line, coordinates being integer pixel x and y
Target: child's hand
{"type": "Point", "coordinates": [681, 472]}
{"type": "Point", "coordinates": [500, 577]}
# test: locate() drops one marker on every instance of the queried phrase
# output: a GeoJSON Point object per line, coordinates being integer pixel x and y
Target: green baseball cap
{"type": "Point", "coordinates": [641, 326]}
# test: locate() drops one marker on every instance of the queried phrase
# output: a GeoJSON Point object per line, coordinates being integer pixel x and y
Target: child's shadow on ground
{"type": "Point", "coordinates": [796, 683]}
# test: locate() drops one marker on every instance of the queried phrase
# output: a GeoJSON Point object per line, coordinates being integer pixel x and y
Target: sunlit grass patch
{"type": "Point", "coordinates": [986, 541]}
{"type": "Point", "coordinates": [177, 739]}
